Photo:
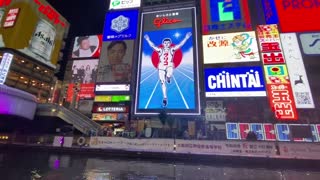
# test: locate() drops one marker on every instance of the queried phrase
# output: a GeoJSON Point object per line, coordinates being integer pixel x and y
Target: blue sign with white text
{"type": "Point", "coordinates": [227, 10]}
{"type": "Point", "coordinates": [120, 25]}
{"type": "Point", "coordinates": [270, 12]}
{"type": "Point", "coordinates": [283, 132]}
{"type": "Point", "coordinates": [258, 130]}
{"type": "Point", "coordinates": [232, 131]}
{"type": "Point", "coordinates": [234, 82]}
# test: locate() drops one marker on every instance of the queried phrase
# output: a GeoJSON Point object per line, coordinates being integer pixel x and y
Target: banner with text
{"type": "Point", "coordinates": [230, 48]}
{"type": "Point", "coordinates": [299, 80]}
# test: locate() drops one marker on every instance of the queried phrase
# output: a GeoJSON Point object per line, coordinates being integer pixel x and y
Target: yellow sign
{"type": "Point", "coordinates": [102, 99]}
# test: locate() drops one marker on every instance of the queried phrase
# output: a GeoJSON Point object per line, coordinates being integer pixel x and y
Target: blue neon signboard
{"type": "Point", "coordinates": [232, 131]}
{"type": "Point", "coordinates": [234, 82]}
{"type": "Point", "coordinates": [283, 132]}
{"type": "Point", "coordinates": [120, 25]}
{"type": "Point", "coordinates": [227, 10]}
{"type": "Point", "coordinates": [270, 12]}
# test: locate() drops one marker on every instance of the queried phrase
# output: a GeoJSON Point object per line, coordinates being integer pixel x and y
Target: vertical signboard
{"type": "Point", "coordinates": [5, 66]}
{"type": "Point", "coordinates": [224, 15]}
{"type": "Point", "coordinates": [230, 47]}
{"type": "Point", "coordinates": [283, 132]}
{"type": "Point", "coordinates": [270, 12]}
{"type": "Point", "coordinates": [115, 65]}
{"type": "Point", "coordinates": [278, 83]}
{"type": "Point", "coordinates": [270, 133]}
{"type": "Point", "coordinates": [297, 72]}
{"type": "Point", "coordinates": [232, 130]}
{"type": "Point", "coordinates": [168, 66]}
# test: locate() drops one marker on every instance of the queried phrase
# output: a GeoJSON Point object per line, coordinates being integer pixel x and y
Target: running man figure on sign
{"type": "Point", "coordinates": [166, 65]}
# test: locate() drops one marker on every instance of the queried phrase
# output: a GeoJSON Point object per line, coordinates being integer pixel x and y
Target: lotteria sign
{"type": "Point", "coordinates": [234, 82]}
{"type": "Point", "coordinates": [291, 13]}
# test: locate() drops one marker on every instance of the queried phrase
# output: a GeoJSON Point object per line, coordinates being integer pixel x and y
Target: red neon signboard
{"type": "Point", "coordinates": [280, 93]}
{"type": "Point", "coordinates": [158, 22]}
{"type": "Point", "coordinates": [298, 15]}
{"type": "Point", "coordinates": [5, 2]}
{"type": "Point", "coordinates": [51, 14]}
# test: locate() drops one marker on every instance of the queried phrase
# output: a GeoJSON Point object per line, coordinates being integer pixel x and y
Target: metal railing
{"type": "Point", "coordinates": [72, 116]}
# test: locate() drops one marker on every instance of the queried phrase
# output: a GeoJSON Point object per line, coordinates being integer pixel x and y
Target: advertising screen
{"type": "Point", "coordinates": [292, 12]}
{"type": "Point", "coordinates": [168, 64]}
{"type": "Point", "coordinates": [297, 72]}
{"type": "Point", "coordinates": [37, 30]}
{"type": "Point", "coordinates": [87, 47]}
{"type": "Point", "coordinates": [115, 62]}
{"type": "Point", "coordinates": [84, 71]}
{"type": "Point", "coordinates": [234, 82]}
{"type": "Point", "coordinates": [120, 25]}
{"type": "Point", "coordinates": [225, 15]}
{"type": "Point", "coordinates": [115, 98]}
{"type": "Point", "coordinates": [231, 47]}
{"type": "Point", "coordinates": [110, 116]}
{"type": "Point", "coordinates": [124, 4]}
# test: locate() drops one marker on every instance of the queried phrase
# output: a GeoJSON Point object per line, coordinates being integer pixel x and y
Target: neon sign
{"type": "Point", "coordinates": [5, 2]}
{"type": "Point", "coordinates": [51, 14]}
{"type": "Point", "coordinates": [158, 22]}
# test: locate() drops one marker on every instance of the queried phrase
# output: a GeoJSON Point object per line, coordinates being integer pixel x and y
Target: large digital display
{"type": "Point", "coordinates": [84, 71]}
{"type": "Point", "coordinates": [231, 47]}
{"type": "Point", "coordinates": [124, 4]}
{"type": "Point", "coordinates": [34, 28]}
{"type": "Point", "coordinates": [297, 72]}
{"type": "Point", "coordinates": [168, 64]}
{"type": "Point", "coordinates": [292, 12]}
{"type": "Point", "coordinates": [224, 15]}
{"type": "Point", "coordinates": [115, 62]}
{"type": "Point", "coordinates": [87, 47]}
{"type": "Point", "coordinates": [120, 25]}
{"type": "Point", "coordinates": [234, 82]}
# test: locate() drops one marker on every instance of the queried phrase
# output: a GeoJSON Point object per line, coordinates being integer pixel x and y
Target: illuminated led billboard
{"type": "Point", "coordinates": [120, 25]}
{"type": "Point", "coordinates": [231, 47]}
{"type": "Point", "coordinates": [225, 15]}
{"type": "Point", "coordinates": [168, 66]}
{"type": "Point", "coordinates": [234, 82]}
{"type": "Point", "coordinates": [298, 15]}
{"type": "Point", "coordinates": [124, 4]}
{"type": "Point", "coordinates": [87, 47]}
{"type": "Point", "coordinates": [34, 28]}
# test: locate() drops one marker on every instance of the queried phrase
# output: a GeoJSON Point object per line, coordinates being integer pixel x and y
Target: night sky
{"type": "Point", "coordinates": [86, 17]}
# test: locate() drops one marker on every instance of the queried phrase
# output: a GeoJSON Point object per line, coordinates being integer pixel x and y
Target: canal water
{"type": "Point", "coordinates": [52, 166]}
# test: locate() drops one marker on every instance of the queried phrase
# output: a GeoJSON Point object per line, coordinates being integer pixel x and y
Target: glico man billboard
{"type": "Point", "coordinates": [168, 66]}
{"type": "Point", "coordinates": [34, 28]}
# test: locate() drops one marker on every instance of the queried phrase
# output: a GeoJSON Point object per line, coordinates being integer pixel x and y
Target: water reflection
{"type": "Point", "coordinates": [18, 165]}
